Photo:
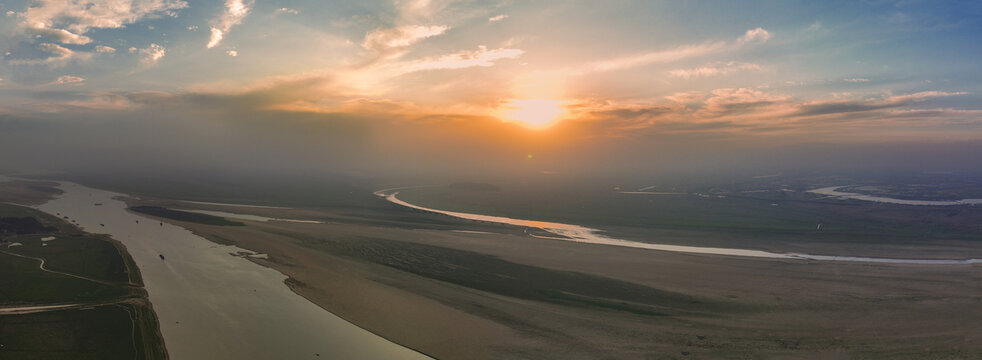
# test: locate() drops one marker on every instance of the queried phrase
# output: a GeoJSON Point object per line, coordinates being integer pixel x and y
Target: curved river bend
{"type": "Point", "coordinates": [215, 306]}
{"type": "Point", "coordinates": [833, 191]}
{"type": "Point", "coordinates": [576, 233]}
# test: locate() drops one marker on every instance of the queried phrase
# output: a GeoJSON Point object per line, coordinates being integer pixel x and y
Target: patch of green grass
{"type": "Point", "coordinates": [85, 256]}
{"type": "Point", "coordinates": [9, 210]}
{"type": "Point", "coordinates": [185, 216]}
{"type": "Point", "coordinates": [124, 330]}
{"type": "Point", "coordinates": [103, 332]}
{"type": "Point", "coordinates": [22, 282]}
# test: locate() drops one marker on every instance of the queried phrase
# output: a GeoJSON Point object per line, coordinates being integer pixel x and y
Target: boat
{"type": "Point", "coordinates": [161, 256]}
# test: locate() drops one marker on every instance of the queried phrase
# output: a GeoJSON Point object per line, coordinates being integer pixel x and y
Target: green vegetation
{"type": "Point", "coordinates": [185, 216]}
{"type": "Point", "coordinates": [109, 316]}
{"type": "Point", "coordinates": [101, 332]}
{"type": "Point", "coordinates": [86, 256]}
{"type": "Point", "coordinates": [51, 223]}
{"type": "Point", "coordinates": [24, 283]}
{"type": "Point", "coordinates": [22, 225]}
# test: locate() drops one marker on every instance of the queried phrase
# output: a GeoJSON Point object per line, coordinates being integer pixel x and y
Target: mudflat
{"type": "Point", "coordinates": [502, 294]}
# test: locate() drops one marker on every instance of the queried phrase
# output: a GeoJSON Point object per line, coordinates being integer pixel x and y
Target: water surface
{"type": "Point", "coordinates": [832, 191]}
{"type": "Point", "coordinates": [581, 234]}
{"type": "Point", "coordinates": [212, 305]}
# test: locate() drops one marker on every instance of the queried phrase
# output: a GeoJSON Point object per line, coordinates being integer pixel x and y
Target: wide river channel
{"type": "Point", "coordinates": [212, 305]}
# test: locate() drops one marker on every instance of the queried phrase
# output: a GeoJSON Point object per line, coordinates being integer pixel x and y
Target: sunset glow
{"type": "Point", "coordinates": [333, 78]}
{"type": "Point", "coordinates": [499, 179]}
{"type": "Point", "coordinates": [533, 113]}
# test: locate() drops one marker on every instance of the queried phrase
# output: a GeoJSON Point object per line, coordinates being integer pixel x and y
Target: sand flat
{"type": "Point", "coordinates": [774, 301]}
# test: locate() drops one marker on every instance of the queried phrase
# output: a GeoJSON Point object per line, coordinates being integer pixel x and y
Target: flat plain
{"type": "Point", "coordinates": [67, 294]}
{"type": "Point", "coordinates": [453, 288]}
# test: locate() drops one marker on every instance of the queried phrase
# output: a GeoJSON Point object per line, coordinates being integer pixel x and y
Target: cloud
{"type": "Point", "coordinates": [235, 12]}
{"type": "Point", "coordinates": [497, 18]}
{"type": "Point", "coordinates": [388, 43]}
{"type": "Point", "coordinates": [104, 49]}
{"type": "Point", "coordinates": [150, 55]}
{"type": "Point", "coordinates": [714, 70]}
{"type": "Point", "coordinates": [232, 53]}
{"type": "Point", "coordinates": [851, 106]}
{"type": "Point", "coordinates": [60, 56]}
{"type": "Point", "coordinates": [671, 55]}
{"type": "Point", "coordinates": [730, 101]}
{"type": "Point", "coordinates": [755, 35]}
{"type": "Point", "coordinates": [856, 80]}
{"type": "Point", "coordinates": [59, 35]}
{"type": "Point", "coordinates": [287, 11]}
{"type": "Point", "coordinates": [482, 57]}
{"type": "Point", "coordinates": [68, 80]}
{"type": "Point", "coordinates": [676, 54]}
{"type": "Point", "coordinates": [66, 22]}
{"type": "Point", "coordinates": [686, 97]}
{"type": "Point", "coordinates": [755, 112]}
{"type": "Point", "coordinates": [281, 93]}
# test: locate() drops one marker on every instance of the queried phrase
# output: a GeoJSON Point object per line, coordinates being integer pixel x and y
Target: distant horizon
{"type": "Point", "coordinates": [460, 89]}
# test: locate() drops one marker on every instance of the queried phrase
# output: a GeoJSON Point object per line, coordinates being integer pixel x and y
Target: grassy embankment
{"type": "Point", "coordinates": [110, 317]}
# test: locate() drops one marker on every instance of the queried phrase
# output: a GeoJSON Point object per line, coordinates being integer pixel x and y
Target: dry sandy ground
{"type": "Point", "coordinates": [754, 308]}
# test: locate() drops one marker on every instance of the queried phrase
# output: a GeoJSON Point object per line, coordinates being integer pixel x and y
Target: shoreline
{"type": "Point", "coordinates": [326, 333]}
{"type": "Point", "coordinates": [580, 234]}
{"type": "Point", "coordinates": [268, 264]}
{"type": "Point", "coordinates": [396, 305]}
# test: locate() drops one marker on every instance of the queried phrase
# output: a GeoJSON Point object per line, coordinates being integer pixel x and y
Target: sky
{"type": "Point", "coordinates": [470, 86]}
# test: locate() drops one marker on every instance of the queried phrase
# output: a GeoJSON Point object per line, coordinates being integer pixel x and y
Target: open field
{"type": "Point", "coordinates": [85, 256]}
{"type": "Point", "coordinates": [503, 294]}
{"type": "Point", "coordinates": [774, 219]}
{"type": "Point", "coordinates": [32, 285]}
{"type": "Point", "coordinates": [99, 332]}
{"type": "Point", "coordinates": [71, 295]}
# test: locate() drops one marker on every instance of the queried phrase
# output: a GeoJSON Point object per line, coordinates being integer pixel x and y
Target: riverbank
{"type": "Point", "coordinates": [441, 291]}
{"type": "Point", "coordinates": [212, 304]}
{"type": "Point", "coordinates": [60, 280]}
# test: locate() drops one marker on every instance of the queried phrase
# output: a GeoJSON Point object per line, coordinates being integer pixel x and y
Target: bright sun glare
{"type": "Point", "coordinates": [533, 113]}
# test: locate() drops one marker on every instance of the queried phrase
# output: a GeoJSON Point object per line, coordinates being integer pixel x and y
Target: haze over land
{"type": "Point", "coordinates": [471, 89]}
{"type": "Point", "coordinates": [461, 179]}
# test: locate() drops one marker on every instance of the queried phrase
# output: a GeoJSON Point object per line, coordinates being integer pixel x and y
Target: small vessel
{"type": "Point", "coordinates": [161, 224]}
{"type": "Point", "coordinates": [103, 225]}
{"type": "Point", "coordinates": [161, 256]}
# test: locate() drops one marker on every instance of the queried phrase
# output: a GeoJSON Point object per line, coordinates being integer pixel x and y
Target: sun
{"type": "Point", "coordinates": [532, 113]}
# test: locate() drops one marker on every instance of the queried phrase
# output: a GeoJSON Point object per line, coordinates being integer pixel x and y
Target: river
{"type": "Point", "coordinates": [833, 191]}
{"type": "Point", "coordinates": [581, 234]}
{"type": "Point", "coordinates": [212, 305]}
